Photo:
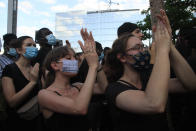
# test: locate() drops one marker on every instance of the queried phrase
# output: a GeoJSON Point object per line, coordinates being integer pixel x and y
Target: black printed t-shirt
{"type": "Point", "coordinates": [128, 121]}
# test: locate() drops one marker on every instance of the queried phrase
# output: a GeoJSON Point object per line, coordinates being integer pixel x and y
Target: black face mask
{"type": "Point", "coordinates": [142, 61]}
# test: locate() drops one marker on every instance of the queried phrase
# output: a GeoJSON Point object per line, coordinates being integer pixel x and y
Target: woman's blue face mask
{"type": "Point", "coordinates": [12, 52]}
{"type": "Point", "coordinates": [51, 39]}
{"type": "Point", "coordinates": [31, 52]}
{"type": "Point", "coordinates": [101, 56]}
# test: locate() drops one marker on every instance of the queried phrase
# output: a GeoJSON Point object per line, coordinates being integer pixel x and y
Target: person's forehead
{"type": "Point", "coordinates": [29, 40]}
{"type": "Point", "coordinates": [71, 51]}
{"type": "Point", "coordinates": [132, 41]}
{"type": "Point", "coordinates": [137, 29]}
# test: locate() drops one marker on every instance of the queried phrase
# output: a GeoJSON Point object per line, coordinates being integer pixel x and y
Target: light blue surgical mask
{"type": "Point", "coordinates": [51, 39]}
{"type": "Point", "coordinates": [12, 52]}
{"type": "Point", "coordinates": [101, 56]}
{"type": "Point", "coordinates": [31, 52]}
{"type": "Point", "coordinates": [70, 66]}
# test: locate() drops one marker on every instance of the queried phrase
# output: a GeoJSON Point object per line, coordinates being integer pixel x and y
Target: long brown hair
{"type": "Point", "coordinates": [53, 56]}
{"type": "Point", "coordinates": [112, 62]}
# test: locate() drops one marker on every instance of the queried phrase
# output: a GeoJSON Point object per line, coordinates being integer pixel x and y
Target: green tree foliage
{"type": "Point", "coordinates": [179, 12]}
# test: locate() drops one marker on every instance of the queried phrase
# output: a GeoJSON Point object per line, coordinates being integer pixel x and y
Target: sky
{"type": "Point", "coordinates": [36, 14]}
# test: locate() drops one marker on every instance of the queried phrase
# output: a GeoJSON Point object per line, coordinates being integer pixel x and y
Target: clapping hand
{"type": "Point", "coordinates": [164, 19]}
{"type": "Point", "coordinates": [89, 48]}
{"type": "Point", "coordinates": [162, 37]}
{"type": "Point", "coordinates": [34, 73]}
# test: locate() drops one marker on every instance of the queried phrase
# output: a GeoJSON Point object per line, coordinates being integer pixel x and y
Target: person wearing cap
{"type": "Point", "coordinates": [129, 27]}
{"type": "Point", "coordinates": [124, 29]}
{"type": "Point", "coordinates": [136, 103]}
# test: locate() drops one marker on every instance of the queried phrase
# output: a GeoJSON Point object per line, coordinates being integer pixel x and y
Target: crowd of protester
{"type": "Point", "coordinates": [128, 86]}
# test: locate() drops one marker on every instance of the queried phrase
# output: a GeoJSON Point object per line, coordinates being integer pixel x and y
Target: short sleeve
{"type": "Point", "coordinates": [7, 71]}
{"type": "Point", "coordinates": [115, 89]}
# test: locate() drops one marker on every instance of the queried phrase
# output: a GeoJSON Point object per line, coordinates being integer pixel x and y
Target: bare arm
{"type": "Point", "coordinates": [79, 104]}
{"type": "Point", "coordinates": [182, 69]}
{"type": "Point", "coordinates": [154, 98]}
{"type": "Point", "coordinates": [184, 73]}
{"type": "Point", "coordinates": [102, 81]}
{"type": "Point", "coordinates": [13, 98]}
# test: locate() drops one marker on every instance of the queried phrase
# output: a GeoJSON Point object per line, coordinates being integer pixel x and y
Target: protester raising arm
{"type": "Point", "coordinates": [78, 103]}
{"type": "Point", "coordinates": [186, 78]}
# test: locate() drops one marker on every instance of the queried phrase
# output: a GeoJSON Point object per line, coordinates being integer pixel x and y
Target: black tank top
{"type": "Point", "coordinates": [59, 121]}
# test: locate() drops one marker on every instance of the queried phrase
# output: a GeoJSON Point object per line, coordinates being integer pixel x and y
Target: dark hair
{"type": "Point", "coordinates": [13, 43]}
{"type": "Point", "coordinates": [106, 49]}
{"type": "Point", "coordinates": [53, 56]}
{"type": "Point", "coordinates": [189, 34]}
{"type": "Point", "coordinates": [186, 40]}
{"type": "Point", "coordinates": [19, 42]}
{"type": "Point", "coordinates": [99, 48]}
{"type": "Point", "coordinates": [114, 64]}
{"type": "Point", "coordinates": [125, 28]}
{"type": "Point", "coordinates": [7, 38]}
{"type": "Point", "coordinates": [78, 54]}
{"type": "Point", "coordinates": [40, 36]}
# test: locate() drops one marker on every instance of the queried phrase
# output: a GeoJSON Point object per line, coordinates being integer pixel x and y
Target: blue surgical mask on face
{"type": "Point", "coordinates": [101, 56]}
{"type": "Point", "coordinates": [70, 66]}
{"type": "Point", "coordinates": [12, 52]}
{"type": "Point", "coordinates": [30, 52]}
{"type": "Point", "coordinates": [51, 39]}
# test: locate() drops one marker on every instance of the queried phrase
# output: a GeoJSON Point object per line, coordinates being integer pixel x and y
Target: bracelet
{"type": "Point", "coordinates": [100, 69]}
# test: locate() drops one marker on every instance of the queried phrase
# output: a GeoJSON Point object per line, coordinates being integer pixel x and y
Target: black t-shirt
{"type": "Point", "coordinates": [59, 121]}
{"type": "Point", "coordinates": [127, 121]}
{"type": "Point", "coordinates": [65, 122]}
{"type": "Point", "coordinates": [15, 122]}
{"type": "Point", "coordinates": [19, 80]}
{"type": "Point", "coordinates": [41, 55]}
{"type": "Point", "coordinates": [97, 111]}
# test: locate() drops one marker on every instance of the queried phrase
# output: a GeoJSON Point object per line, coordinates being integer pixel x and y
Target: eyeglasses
{"type": "Point", "coordinates": [59, 61]}
{"type": "Point", "coordinates": [138, 47]}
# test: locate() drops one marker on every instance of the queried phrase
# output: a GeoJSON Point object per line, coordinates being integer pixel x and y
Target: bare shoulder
{"type": "Point", "coordinates": [43, 94]}
{"type": "Point", "coordinates": [46, 92]}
